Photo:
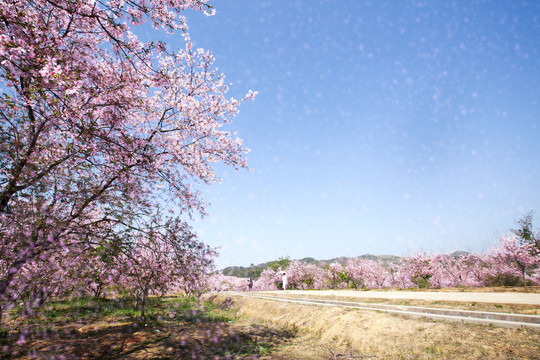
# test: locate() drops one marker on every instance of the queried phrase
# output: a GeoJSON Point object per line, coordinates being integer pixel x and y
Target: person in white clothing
{"type": "Point", "coordinates": [284, 279]}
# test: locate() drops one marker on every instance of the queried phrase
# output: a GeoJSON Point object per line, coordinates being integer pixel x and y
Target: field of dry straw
{"type": "Point", "coordinates": [333, 332]}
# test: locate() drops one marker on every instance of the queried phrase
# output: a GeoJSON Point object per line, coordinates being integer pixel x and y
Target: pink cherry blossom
{"type": "Point", "coordinates": [99, 128]}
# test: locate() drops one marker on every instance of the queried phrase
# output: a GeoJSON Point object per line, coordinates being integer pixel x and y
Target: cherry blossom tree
{"type": "Point", "coordinates": [498, 269]}
{"type": "Point", "coordinates": [367, 274]}
{"type": "Point", "coordinates": [267, 281]}
{"type": "Point", "coordinates": [418, 268]}
{"type": "Point", "coordinates": [446, 271]}
{"type": "Point", "coordinates": [512, 257]}
{"type": "Point", "coordinates": [96, 125]}
{"type": "Point", "coordinates": [194, 274]}
{"type": "Point", "coordinates": [399, 276]}
{"type": "Point", "coordinates": [303, 276]}
{"type": "Point", "coordinates": [163, 256]}
{"type": "Point", "coordinates": [220, 282]}
{"type": "Point", "coordinates": [377, 275]}
{"type": "Point", "coordinates": [336, 275]}
{"type": "Point", "coordinates": [61, 271]}
{"type": "Point", "coordinates": [355, 269]}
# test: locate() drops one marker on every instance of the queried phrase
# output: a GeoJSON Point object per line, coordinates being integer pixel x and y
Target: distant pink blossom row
{"type": "Point", "coordinates": [509, 262]}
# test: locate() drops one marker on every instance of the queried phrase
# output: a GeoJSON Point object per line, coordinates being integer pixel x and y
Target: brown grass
{"type": "Point", "coordinates": [330, 331]}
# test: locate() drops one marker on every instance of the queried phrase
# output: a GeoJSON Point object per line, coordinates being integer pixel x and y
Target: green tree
{"type": "Point", "coordinates": [280, 264]}
{"type": "Point", "coordinates": [525, 231]}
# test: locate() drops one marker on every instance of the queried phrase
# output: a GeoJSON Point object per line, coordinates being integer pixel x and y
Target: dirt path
{"type": "Point", "coordinates": [497, 298]}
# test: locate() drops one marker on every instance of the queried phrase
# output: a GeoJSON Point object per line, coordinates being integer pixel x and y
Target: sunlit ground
{"type": "Point", "coordinates": [231, 327]}
{"type": "Point", "coordinates": [107, 329]}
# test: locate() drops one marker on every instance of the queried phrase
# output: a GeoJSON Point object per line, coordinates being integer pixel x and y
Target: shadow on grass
{"type": "Point", "coordinates": [107, 329]}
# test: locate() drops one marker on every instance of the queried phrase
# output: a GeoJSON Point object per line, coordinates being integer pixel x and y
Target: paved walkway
{"type": "Point", "coordinates": [496, 298]}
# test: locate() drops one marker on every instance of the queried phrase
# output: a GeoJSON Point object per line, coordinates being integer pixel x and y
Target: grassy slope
{"type": "Point", "coordinates": [368, 334]}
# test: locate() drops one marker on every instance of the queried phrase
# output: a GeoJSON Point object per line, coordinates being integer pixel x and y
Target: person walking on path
{"type": "Point", "coordinates": [284, 280]}
{"type": "Point", "coordinates": [250, 284]}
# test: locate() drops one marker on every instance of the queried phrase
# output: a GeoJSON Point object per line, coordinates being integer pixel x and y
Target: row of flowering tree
{"type": "Point", "coordinates": [510, 262]}
{"type": "Point", "coordinates": [157, 258]}
{"type": "Point", "coordinates": [98, 130]}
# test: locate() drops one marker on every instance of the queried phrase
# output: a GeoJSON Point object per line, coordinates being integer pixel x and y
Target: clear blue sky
{"type": "Point", "coordinates": [382, 127]}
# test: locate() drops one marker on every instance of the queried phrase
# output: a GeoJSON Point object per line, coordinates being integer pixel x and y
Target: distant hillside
{"type": "Point", "coordinates": [459, 253]}
{"type": "Point", "coordinates": [255, 271]}
{"type": "Point", "coordinates": [385, 259]}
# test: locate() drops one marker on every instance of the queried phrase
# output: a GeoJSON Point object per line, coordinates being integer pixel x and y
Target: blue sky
{"type": "Point", "coordinates": [382, 127]}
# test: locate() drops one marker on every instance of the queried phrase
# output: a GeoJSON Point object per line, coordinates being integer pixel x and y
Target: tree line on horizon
{"type": "Point", "coordinates": [254, 271]}
{"type": "Point", "coordinates": [513, 261]}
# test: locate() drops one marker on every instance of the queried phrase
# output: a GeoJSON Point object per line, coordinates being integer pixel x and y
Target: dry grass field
{"type": "Point", "coordinates": [333, 332]}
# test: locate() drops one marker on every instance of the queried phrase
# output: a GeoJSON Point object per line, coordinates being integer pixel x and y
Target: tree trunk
{"type": "Point", "coordinates": [97, 292]}
{"type": "Point", "coordinates": [523, 276]}
{"type": "Point", "coordinates": [143, 302]}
